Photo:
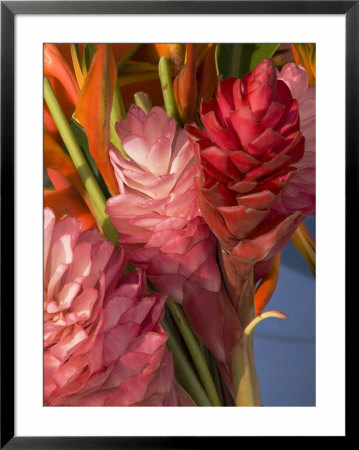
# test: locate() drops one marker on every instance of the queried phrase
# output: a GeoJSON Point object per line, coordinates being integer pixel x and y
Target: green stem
{"type": "Point", "coordinates": [195, 352]}
{"type": "Point", "coordinates": [246, 386]}
{"type": "Point", "coordinates": [92, 187]}
{"type": "Point", "coordinates": [212, 364]}
{"type": "Point", "coordinates": [305, 244]}
{"type": "Point", "coordinates": [185, 374]}
{"type": "Point", "coordinates": [245, 381]}
{"type": "Point", "coordinates": [167, 88]}
{"type": "Point", "coordinates": [118, 113]}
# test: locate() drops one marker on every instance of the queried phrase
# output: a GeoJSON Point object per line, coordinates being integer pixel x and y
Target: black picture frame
{"type": "Point", "coordinates": [9, 9]}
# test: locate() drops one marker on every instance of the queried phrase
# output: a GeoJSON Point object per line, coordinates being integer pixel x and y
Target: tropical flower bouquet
{"type": "Point", "coordinates": [175, 176]}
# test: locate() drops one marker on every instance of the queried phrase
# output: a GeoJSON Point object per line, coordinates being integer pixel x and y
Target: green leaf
{"type": "Point", "coordinates": [262, 51]}
{"type": "Point", "coordinates": [89, 52]}
{"type": "Point", "coordinates": [236, 60]}
{"type": "Point", "coordinates": [228, 57]}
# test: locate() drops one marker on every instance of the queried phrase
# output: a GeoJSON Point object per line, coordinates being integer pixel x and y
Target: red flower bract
{"type": "Point", "coordinates": [246, 152]}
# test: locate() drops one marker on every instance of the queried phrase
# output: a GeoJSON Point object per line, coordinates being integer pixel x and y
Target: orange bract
{"type": "Point", "coordinates": [304, 54]}
{"type": "Point", "coordinates": [68, 202]}
{"type": "Point", "coordinates": [185, 85]}
{"type": "Point", "coordinates": [153, 52]}
{"type": "Point", "coordinates": [57, 159]}
{"type": "Point", "coordinates": [94, 108]}
{"type": "Point", "coordinates": [57, 67]}
{"type": "Point", "coordinates": [207, 75]}
{"type": "Point", "coordinates": [267, 286]}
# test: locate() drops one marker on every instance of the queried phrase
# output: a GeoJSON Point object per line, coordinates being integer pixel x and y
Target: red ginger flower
{"type": "Point", "coordinates": [247, 156]}
{"type": "Point", "coordinates": [104, 345]}
{"type": "Point", "coordinates": [157, 216]}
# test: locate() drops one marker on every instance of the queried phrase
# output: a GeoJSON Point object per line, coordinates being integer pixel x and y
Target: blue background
{"type": "Point", "coordinates": [285, 349]}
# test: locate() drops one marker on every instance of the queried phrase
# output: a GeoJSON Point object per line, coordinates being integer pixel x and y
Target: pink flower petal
{"type": "Point", "coordinates": [114, 309]}
{"type": "Point", "coordinates": [154, 125]}
{"type": "Point", "coordinates": [137, 148]}
{"type": "Point", "coordinates": [61, 252]}
{"type": "Point", "coordinates": [65, 298]}
{"type": "Point", "coordinates": [49, 222]}
{"type": "Point", "coordinates": [81, 262]}
{"type": "Point", "coordinates": [83, 304]}
{"type": "Point", "coordinates": [159, 156]}
{"type": "Point", "coordinates": [136, 120]}
{"type": "Point", "coordinates": [117, 340]}
{"type": "Point", "coordinates": [296, 78]}
{"type": "Point", "coordinates": [69, 343]}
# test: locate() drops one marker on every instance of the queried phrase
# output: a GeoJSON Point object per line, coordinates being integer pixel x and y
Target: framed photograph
{"type": "Point", "coordinates": [168, 170]}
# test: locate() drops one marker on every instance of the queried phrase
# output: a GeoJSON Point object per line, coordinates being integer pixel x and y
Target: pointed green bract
{"type": "Point", "coordinates": [143, 101]}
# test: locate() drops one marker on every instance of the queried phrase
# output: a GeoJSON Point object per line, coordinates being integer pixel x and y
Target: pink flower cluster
{"type": "Point", "coordinates": [300, 192]}
{"type": "Point", "coordinates": [103, 342]}
{"type": "Point", "coordinates": [156, 179]}
{"type": "Point", "coordinates": [158, 217]}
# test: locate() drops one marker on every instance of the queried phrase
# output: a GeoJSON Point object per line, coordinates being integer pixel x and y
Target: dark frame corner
{"type": "Point", "coordinates": [9, 9]}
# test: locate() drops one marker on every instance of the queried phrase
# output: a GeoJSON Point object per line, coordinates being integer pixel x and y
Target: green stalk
{"type": "Point", "coordinates": [195, 351]}
{"type": "Point", "coordinates": [245, 380]}
{"type": "Point", "coordinates": [92, 187]}
{"type": "Point", "coordinates": [118, 113]}
{"type": "Point", "coordinates": [185, 374]}
{"type": "Point", "coordinates": [167, 88]}
{"type": "Point", "coordinates": [212, 364]}
{"type": "Point", "coordinates": [305, 244]}
{"type": "Point", "coordinates": [246, 385]}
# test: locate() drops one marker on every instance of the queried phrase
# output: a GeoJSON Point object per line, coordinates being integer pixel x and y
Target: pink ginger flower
{"type": "Point", "coordinates": [299, 194]}
{"type": "Point", "coordinates": [158, 218]}
{"type": "Point", "coordinates": [300, 191]}
{"type": "Point", "coordinates": [103, 342]}
{"type": "Point", "coordinates": [156, 181]}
